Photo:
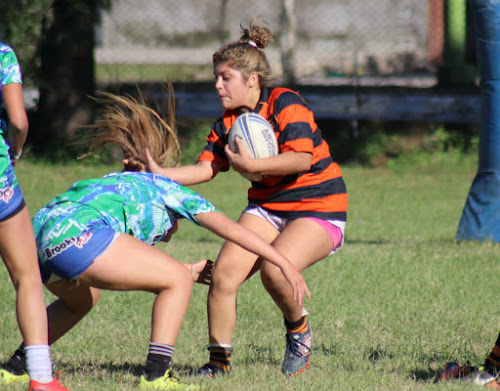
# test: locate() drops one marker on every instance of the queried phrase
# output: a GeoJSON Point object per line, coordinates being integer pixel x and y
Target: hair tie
{"type": "Point", "coordinates": [252, 43]}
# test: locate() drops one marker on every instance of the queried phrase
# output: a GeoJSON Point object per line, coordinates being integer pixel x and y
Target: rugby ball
{"type": "Point", "coordinates": [258, 139]}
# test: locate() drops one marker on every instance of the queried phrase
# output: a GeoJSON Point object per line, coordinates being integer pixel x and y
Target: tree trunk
{"type": "Point", "coordinates": [67, 77]}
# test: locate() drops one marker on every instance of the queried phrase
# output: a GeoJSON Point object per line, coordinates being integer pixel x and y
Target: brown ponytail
{"type": "Point", "coordinates": [130, 124]}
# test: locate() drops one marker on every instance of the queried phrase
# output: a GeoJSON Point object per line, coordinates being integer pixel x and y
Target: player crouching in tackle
{"type": "Point", "coordinates": [99, 235]}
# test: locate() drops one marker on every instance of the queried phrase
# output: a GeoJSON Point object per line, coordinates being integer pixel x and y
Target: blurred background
{"type": "Point", "coordinates": [370, 69]}
{"type": "Point", "coordinates": [328, 40]}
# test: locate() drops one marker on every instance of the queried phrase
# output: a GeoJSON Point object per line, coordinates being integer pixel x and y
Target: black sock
{"type": "Point", "coordinates": [220, 356]}
{"type": "Point", "coordinates": [159, 360]}
{"type": "Point", "coordinates": [295, 325]}
{"type": "Point", "coordinates": [157, 365]}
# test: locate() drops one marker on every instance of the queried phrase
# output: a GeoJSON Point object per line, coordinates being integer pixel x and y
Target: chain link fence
{"type": "Point", "coordinates": [374, 42]}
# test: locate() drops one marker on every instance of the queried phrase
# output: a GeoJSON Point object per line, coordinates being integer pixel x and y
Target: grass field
{"type": "Point", "coordinates": [127, 73]}
{"type": "Point", "coordinates": [397, 302]}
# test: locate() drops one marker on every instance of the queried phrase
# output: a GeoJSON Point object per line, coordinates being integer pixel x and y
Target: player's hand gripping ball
{"type": "Point", "coordinates": [257, 136]}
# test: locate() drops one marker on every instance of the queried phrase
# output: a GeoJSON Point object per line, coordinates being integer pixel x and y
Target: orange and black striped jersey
{"type": "Point", "coordinates": [319, 192]}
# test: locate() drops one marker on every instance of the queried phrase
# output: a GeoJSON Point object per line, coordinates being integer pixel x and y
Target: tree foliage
{"type": "Point", "coordinates": [54, 41]}
{"type": "Point", "coordinates": [21, 27]}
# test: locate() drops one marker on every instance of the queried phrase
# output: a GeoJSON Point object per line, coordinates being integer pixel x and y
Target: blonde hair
{"type": "Point", "coordinates": [132, 125]}
{"type": "Point", "coordinates": [245, 54]}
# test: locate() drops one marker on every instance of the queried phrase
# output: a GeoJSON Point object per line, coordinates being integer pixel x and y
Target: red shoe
{"type": "Point", "coordinates": [475, 375]}
{"type": "Point", "coordinates": [54, 385]}
{"type": "Point", "coordinates": [494, 384]}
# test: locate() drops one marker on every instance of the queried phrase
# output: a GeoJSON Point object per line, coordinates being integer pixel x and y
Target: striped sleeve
{"type": "Point", "coordinates": [214, 150]}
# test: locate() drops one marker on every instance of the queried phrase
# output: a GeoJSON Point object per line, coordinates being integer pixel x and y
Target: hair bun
{"type": "Point", "coordinates": [258, 33]}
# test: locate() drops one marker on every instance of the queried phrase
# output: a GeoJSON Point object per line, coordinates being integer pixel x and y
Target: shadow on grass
{"type": "Point", "coordinates": [108, 369]}
{"type": "Point", "coordinates": [260, 354]}
{"type": "Point", "coordinates": [431, 373]}
{"type": "Point", "coordinates": [435, 364]}
{"type": "Point", "coordinates": [370, 242]}
{"type": "Point", "coordinates": [326, 350]}
{"type": "Point", "coordinates": [83, 368]}
{"type": "Point", "coordinates": [428, 376]}
{"type": "Point", "coordinates": [255, 354]}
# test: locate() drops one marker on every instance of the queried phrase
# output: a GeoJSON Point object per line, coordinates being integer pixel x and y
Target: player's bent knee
{"type": "Point", "coordinates": [227, 278]}
{"type": "Point", "coordinates": [182, 282]}
{"type": "Point", "coordinates": [270, 272]}
{"type": "Point", "coordinates": [224, 285]}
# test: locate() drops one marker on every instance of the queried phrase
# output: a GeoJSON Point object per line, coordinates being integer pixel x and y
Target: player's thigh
{"type": "Point", "coordinates": [130, 264]}
{"type": "Point", "coordinates": [304, 242]}
{"type": "Point", "coordinates": [18, 246]}
{"type": "Point", "coordinates": [235, 264]}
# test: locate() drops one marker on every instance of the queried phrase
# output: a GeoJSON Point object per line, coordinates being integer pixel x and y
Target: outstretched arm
{"type": "Point", "coordinates": [193, 174]}
{"type": "Point", "coordinates": [228, 229]}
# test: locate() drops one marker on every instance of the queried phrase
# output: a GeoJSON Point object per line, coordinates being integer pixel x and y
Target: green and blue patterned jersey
{"type": "Point", "coordinates": [10, 72]}
{"type": "Point", "coordinates": [143, 205]}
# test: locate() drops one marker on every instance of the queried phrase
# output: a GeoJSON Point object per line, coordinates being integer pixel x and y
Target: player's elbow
{"type": "Point", "coordinates": [19, 124]}
{"type": "Point", "coordinates": [304, 162]}
{"type": "Point", "coordinates": [206, 171]}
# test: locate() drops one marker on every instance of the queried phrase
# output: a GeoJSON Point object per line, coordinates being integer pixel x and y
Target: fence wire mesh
{"type": "Point", "coordinates": [333, 41]}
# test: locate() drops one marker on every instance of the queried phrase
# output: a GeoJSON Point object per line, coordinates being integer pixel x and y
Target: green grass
{"type": "Point", "coordinates": [126, 73]}
{"type": "Point", "coordinates": [396, 303]}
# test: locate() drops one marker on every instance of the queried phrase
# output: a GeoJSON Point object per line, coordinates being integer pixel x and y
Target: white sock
{"type": "Point", "coordinates": [38, 363]}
